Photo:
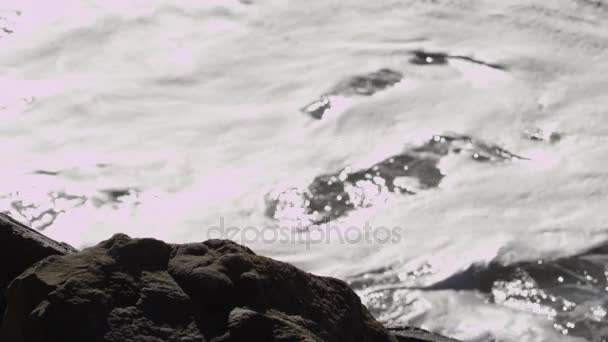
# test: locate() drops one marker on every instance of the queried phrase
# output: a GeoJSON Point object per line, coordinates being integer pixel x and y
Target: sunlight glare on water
{"type": "Point", "coordinates": [472, 130]}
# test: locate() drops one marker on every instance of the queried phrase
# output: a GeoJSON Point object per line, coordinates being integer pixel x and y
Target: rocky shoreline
{"type": "Point", "coordinates": [128, 289]}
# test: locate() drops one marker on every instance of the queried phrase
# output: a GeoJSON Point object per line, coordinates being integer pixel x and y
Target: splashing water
{"type": "Point", "coordinates": [170, 120]}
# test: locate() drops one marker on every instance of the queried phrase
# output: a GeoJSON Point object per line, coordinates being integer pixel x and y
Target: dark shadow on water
{"type": "Point", "coordinates": [420, 57]}
{"type": "Point", "coordinates": [333, 195]}
{"type": "Point", "coordinates": [358, 85]}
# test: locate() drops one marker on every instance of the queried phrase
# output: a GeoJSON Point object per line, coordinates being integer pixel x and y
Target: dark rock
{"type": "Point", "coordinates": [145, 290]}
{"type": "Point", "coordinates": [140, 254]}
{"type": "Point", "coordinates": [20, 248]}
{"type": "Point", "coordinates": [117, 291]}
{"type": "Point", "coordinates": [245, 324]}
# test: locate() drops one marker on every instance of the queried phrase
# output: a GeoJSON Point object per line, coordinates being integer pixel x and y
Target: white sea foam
{"type": "Point", "coordinates": [196, 105]}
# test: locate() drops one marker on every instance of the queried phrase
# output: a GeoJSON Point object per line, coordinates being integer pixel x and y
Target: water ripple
{"type": "Point", "coordinates": [333, 195]}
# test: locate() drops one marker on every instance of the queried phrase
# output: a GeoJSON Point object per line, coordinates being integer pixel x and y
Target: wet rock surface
{"type": "Point", "coordinates": [20, 248]}
{"type": "Point", "coordinates": [333, 195]}
{"type": "Point", "coordinates": [359, 85]}
{"type": "Point", "coordinates": [145, 290]}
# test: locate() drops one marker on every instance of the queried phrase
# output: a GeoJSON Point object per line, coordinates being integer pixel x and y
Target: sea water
{"type": "Point", "coordinates": [179, 120]}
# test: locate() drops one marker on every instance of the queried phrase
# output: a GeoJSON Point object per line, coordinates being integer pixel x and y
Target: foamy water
{"type": "Point", "coordinates": [160, 119]}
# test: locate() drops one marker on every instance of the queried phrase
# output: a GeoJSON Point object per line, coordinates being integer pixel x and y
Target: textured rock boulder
{"type": "Point", "coordinates": [20, 248]}
{"type": "Point", "coordinates": [145, 290]}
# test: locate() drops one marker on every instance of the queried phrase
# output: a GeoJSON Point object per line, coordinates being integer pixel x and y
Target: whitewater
{"type": "Point", "coordinates": [168, 119]}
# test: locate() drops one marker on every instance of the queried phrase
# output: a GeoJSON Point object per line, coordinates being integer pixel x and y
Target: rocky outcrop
{"type": "Point", "coordinates": [145, 290]}
{"type": "Point", "coordinates": [20, 248]}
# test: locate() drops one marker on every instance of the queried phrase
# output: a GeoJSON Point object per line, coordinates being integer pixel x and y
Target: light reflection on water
{"type": "Point", "coordinates": [576, 307]}
{"type": "Point", "coordinates": [571, 292]}
{"type": "Point", "coordinates": [332, 196]}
